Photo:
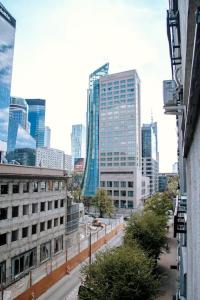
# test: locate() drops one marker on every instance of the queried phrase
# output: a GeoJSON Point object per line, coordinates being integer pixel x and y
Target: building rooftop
{"type": "Point", "coordinates": [16, 171]}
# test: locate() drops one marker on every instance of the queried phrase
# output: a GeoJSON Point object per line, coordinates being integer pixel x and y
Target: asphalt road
{"type": "Point", "coordinates": [67, 287]}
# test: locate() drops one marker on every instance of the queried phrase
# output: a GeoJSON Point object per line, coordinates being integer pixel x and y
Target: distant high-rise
{"type": "Point", "coordinates": [150, 157]}
{"type": "Point", "coordinates": [18, 134]}
{"type": "Point", "coordinates": [77, 142]}
{"type": "Point", "coordinates": [7, 38]}
{"type": "Point", "coordinates": [91, 174]}
{"type": "Point", "coordinates": [47, 137]}
{"type": "Point", "coordinates": [36, 117]}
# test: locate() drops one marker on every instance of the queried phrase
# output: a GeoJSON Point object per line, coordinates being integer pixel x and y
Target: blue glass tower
{"type": "Point", "coordinates": [77, 142]}
{"type": "Point", "coordinates": [7, 38]}
{"type": "Point", "coordinates": [91, 174]}
{"type": "Point", "coordinates": [36, 117]}
{"type": "Point", "coordinates": [18, 134]}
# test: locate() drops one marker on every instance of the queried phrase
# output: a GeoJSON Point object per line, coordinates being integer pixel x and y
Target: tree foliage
{"type": "Point", "coordinates": [159, 203]}
{"type": "Point", "coordinates": [148, 230]}
{"type": "Point", "coordinates": [123, 273]}
{"type": "Point", "coordinates": [172, 186]}
{"type": "Point", "coordinates": [103, 202]}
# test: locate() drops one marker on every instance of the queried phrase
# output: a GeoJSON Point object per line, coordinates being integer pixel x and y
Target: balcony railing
{"type": "Point", "coordinates": [180, 216]}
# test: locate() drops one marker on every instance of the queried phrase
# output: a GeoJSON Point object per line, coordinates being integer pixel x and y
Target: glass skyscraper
{"type": "Point", "coordinates": [7, 37]}
{"type": "Point", "coordinates": [36, 117]}
{"type": "Point", "coordinates": [20, 142]}
{"type": "Point", "coordinates": [77, 142]}
{"type": "Point", "coordinates": [91, 174]}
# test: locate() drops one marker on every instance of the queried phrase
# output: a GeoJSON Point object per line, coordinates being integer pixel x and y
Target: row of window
{"type": "Point", "coordinates": [128, 184]}
{"type": "Point", "coordinates": [117, 164]}
{"type": "Point", "coordinates": [25, 231]}
{"type": "Point", "coordinates": [37, 186]}
{"type": "Point", "coordinates": [117, 193]}
{"type": "Point", "coordinates": [116, 158]}
{"type": "Point", "coordinates": [36, 207]}
{"type": "Point", "coordinates": [121, 92]}
{"type": "Point", "coordinates": [117, 82]}
{"type": "Point", "coordinates": [123, 204]}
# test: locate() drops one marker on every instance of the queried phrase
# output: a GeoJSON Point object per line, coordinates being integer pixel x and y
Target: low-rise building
{"type": "Point", "coordinates": [33, 204]}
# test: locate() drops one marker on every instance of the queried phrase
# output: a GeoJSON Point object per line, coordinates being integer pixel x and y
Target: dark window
{"type": "Point", "coordinates": [61, 202]}
{"type": "Point", "coordinates": [55, 222]}
{"type": "Point", "coordinates": [61, 220]}
{"type": "Point", "coordinates": [34, 229]}
{"type": "Point", "coordinates": [3, 271]}
{"type": "Point", "coordinates": [56, 204]}
{"type": "Point", "coordinates": [109, 183]}
{"type": "Point", "coordinates": [116, 193]}
{"type": "Point", "coordinates": [24, 261]}
{"type": "Point", "coordinates": [42, 226]}
{"type": "Point", "coordinates": [26, 187]}
{"type": "Point", "coordinates": [3, 239]}
{"type": "Point", "coordinates": [34, 208]}
{"type": "Point", "coordinates": [15, 188]}
{"type": "Point", "coordinates": [116, 183]}
{"type": "Point", "coordinates": [123, 183]}
{"type": "Point", "coordinates": [102, 184]}
{"type": "Point", "coordinates": [123, 193]}
{"type": "Point", "coordinates": [4, 189]}
{"type": "Point", "coordinates": [24, 232]}
{"type": "Point", "coordinates": [109, 192]}
{"type": "Point", "coordinates": [130, 193]}
{"type": "Point", "coordinates": [49, 224]}
{"type": "Point", "coordinates": [42, 206]}
{"type": "Point", "coordinates": [58, 244]}
{"type": "Point", "coordinates": [15, 211]}
{"type": "Point", "coordinates": [130, 184]}
{"type": "Point", "coordinates": [25, 209]}
{"type": "Point", "coordinates": [3, 213]}
{"type": "Point", "coordinates": [35, 186]}
{"type": "Point", "coordinates": [49, 205]}
{"type": "Point", "coordinates": [14, 236]}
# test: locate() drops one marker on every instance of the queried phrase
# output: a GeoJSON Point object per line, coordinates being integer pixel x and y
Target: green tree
{"type": "Point", "coordinates": [172, 186]}
{"type": "Point", "coordinates": [149, 231]}
{"type": "Point", "coordinates": [159, 203]}
{"type": "Point", "coordinates": [122, 273]}
{"type": "Point", "coordinates": [103, 202]}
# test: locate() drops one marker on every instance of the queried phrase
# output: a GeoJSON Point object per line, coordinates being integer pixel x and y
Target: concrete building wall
{"type": "Point", "coordinates": [49, 158]}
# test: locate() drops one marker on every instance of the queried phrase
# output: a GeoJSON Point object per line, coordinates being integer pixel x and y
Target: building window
{"type": "Point", "coordinates": [35, 186]}
{"type": "Point", "coordinates": [15, 188]}
{"type": "Point", "coordinates": [24, 232]}
{"type": "Point", "coordinates": [116, 193]}
{"type": "Point", "coordinates": [130, 204]}
{"type": "Point", "coordinates": [62, 203]}
{"type": "Point", "coordinates": [42, 206]}
{"type": "Point", "coordinates": [24, 262]}
{"type": "Point", "coordinates": [130, 184]}
{"type": "Point", "coordinates": [123, 183]}
{"type": "Point", "coordinates": [130, 193]}
{"type": "Point", "coordinates": [45, 251]}
{"type": "Point", "coordinates": [34, 229]}
{"type": "Point", "coordinates": [116, 183]}
{"type": "Point", "coordinates": [61, 220]}
{"type": "Point", "coordinates": [123, 193]}
{"type": "Point", "coordinates": [102, 183]}
{"type": "Point", "coordinates": [49, 205]}
{"type": "Point", "coordinates": [15, 235]}
{"type": "Point", "coordinates": [109, 192]}
{"type": "Point", "coordinates": [56, 186]}
{"type": "Point", "coordinates": [109, 183]}
{"type": "Point", "coordinates": [15, 211]}
{"type": "Point", "coordinates": [55, 222]}
{"type": "Point", "coordinates": [58, 244]}
{"type": "Point", "coordinates": [3, 213]}
{"type": "Point", "coordinates": [49, 224]}
{"type": "Point", "coordinates": [50, 185]}
{"type": "Point", "coordinates": [25, 187]}
{"type": "Point", "coordinates": [43, 186]}
{"type": "Point", "coordinates": [34, 208]}
{"type": "Point", "coordinates": [56, 204]}
{"type": "Point", "coordinates": [3, 239]}
{"type": "Point", "coordinates": [3, 271]}
{"type": "Point", "coordinates": [42, 226]}
{"type": "Point", "coordinates": [4, 189]}
{"type": "Point", "coordinates": [25, 209]}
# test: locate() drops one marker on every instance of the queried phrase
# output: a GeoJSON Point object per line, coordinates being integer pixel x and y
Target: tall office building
{"type": "Point", "coordinates": [47, 137]}
{"type": "Point", "coordinates": [36, 117]}
{"type": "Point", "coordinates": [150, 162]}
{"type": "Point", "coordinates": [7, 37]}
{"type": "Point", "coordinates": [120, 138]}
{"type": "Point", "coordinates": [91, 174]}
{"type": "Point", "coordinates": [77, 142]}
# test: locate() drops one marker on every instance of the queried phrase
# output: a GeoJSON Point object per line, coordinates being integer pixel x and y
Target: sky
{"type": "Point", "coordinates": [59, 43]}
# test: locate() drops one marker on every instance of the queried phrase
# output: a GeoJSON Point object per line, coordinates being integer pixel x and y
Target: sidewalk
{"type": "Point", "coordinates": [168, 259]}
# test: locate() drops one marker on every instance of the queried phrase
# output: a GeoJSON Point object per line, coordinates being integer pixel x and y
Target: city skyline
{"type": "Point", "coordinates": [64, 82]}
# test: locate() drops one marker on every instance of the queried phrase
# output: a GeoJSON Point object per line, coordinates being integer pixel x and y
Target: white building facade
{"type": "Point", "coordinates": [120, 138]}
{"type": "Point", "coordinates": [49, 158]}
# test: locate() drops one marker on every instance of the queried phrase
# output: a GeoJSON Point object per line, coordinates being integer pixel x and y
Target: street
{"type": "Point", "coordinates": [67, 287]}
